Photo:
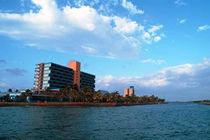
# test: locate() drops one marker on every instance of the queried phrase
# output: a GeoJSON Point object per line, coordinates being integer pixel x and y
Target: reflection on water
{"type": "Point", "coordinates": [169, 121]}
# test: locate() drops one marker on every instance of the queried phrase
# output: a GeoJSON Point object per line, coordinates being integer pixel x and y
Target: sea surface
{"type": "Point", "coordinates": [178, 121]}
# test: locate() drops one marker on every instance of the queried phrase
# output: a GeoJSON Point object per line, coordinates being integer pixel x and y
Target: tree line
{"type": "Point", "coordinates": [74, 94]}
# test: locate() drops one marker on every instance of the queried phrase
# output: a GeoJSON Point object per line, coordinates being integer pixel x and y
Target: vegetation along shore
{"type": "Point", "coordinates": [72, 96]}
{"type": "Point", "coordinates": [205, 102]}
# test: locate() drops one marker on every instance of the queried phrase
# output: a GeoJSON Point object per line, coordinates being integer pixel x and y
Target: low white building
{"type": "Point", "coordinates": [13, 95]}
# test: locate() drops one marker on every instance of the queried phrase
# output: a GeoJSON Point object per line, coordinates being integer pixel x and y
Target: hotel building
{"type": "Point", "coordinates": [54, 76]}
{"type": "Point", "coordinates": [129, 91]}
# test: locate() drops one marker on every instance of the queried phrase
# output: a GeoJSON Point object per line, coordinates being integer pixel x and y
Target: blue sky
{"type": "Point", "coordinates": [161, 47]}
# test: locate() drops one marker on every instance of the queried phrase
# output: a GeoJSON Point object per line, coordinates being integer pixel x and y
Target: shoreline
{"type": "Point", "coordinates": [202, 102]}
{"type": "Point", "coordinates": [71, 104]}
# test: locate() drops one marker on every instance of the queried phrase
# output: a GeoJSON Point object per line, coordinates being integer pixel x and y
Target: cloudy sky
{"type": "Point", "coordinates": [161, 47]}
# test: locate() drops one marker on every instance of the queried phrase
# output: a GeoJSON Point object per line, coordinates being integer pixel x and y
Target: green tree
{"type": "Point", "coordinates": [114, 97]}
{"type": "Point", "coordinates": [87, 94]}
{"type": "Point", "coordinates": [65, 92]}
{"type": "Point", "coordinates": [98, 97]}
{"type": "Point", "coordinates": [75, 95]}
{"type": "Point", "coordinates": [10, 90]}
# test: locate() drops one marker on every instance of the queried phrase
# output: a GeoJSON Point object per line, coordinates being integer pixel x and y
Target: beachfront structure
{"type": "Point", "coordinates": [129, 91]}
{"type": "Point", "coordinates": [54, 76]}
{"type": "Point", "coordinates": [13, 95]}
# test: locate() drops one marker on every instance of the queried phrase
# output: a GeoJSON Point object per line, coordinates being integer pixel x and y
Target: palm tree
{"type": "Point", "coordinates": [65, 93]}
{"type": "Point", "coordinates": [114, 97]}
{"type": "Point", "coordinates": [47, 91]}
{"type": "Point", "coordinates": [28, 92]}
{"type": "Point", "coordinates": [87, 94]}
{"type": "Point", "coordinates": [98, 97]}
{"type": "Point", "coordinates": [75, 95]}
{"type": "Point", "coordinates": [10, 90]}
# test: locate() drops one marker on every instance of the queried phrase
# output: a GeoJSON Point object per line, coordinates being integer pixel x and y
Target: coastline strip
{"type": "Point", "coordinates": [7, 104]}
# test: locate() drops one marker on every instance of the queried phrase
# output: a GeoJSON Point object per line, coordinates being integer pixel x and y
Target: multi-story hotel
{"type": "Point", "coordinates": [129, 91]}
{"type": "Point", "coordinates": [54, 76]}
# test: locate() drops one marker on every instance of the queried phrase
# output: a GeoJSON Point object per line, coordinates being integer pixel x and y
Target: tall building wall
{"type": "Point", "coordinates": [57, 76]}
{"type": "Point", "coordinates": [75, 65]}
{"type": "Point", "coordinates": [51, 75]}
{"type": "Point", "coordinates": [126, 92]}
{"type": "Point", "coordinates": [39, 71]}
{"type": "Point", "coordinates": [129, 91]}
{"type": "Point", "coordinates": [87, 80]}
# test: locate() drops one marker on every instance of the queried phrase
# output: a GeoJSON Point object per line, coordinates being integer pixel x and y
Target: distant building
{"type": "Point", "coordinates": [13, 95]}
{"type": "Point", "coordinates": [129, 91]}
{"type": "Point", "coordinates": [54, 76]}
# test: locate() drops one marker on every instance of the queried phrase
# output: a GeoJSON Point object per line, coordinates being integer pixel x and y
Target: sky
{"type": "Point", "coordinates": [161, 47]}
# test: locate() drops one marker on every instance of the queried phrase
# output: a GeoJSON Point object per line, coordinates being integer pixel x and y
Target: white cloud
{"type": "Point", "coordinates": [125, 25]}
{"type": "Point", "coordinates": [182, 21]}
{"type": "Point", "coordinates": [183, 82]}
{"type": "Point", "coordinates": [89, 50]}
{"type": "Point", "coordinates": [106, 80]}
{"type": "Point", "coordinates": [80, 30]}
{"type": "Point", "coordinates": [84, 17]}
{"type": "Point", "coordinates": [151, 35]}
{"type": "Point", "coordinates": [157, 38]}
{"type": "Point", "coordinates": [155, 28]}
{"type": "Point", "coordinates": [131, 7]}
{"type": "Point", "coordinates": [66, 29]}
{"type": "Point", "coordinates": [181, 69]}
{"type": "Point", "coordinates": [180, 2]}
{"type": "Point", "coordinates": [203, 28]}
{"type": "Point", "coordinates": [153, 61]}
{"type": "Point", "coordinates": [158, 81]}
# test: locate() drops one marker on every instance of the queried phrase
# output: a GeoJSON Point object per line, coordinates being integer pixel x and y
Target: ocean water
{"type": "Point", "coordinates": [182, 121]}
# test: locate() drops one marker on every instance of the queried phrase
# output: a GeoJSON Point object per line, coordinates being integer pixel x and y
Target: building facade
{"type": "Point", "coordinates": [129, 91]}
{"type": "Point", "coordinates": [87, 80]}
{"type": "Point", "coordinates": [75, 66]}
{"type": "Point", "coordinates": [54, 76]}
